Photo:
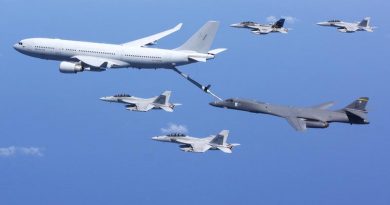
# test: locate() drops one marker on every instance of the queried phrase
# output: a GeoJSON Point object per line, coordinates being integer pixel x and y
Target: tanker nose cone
{"type": "Point", "coordinates": [16, 47]}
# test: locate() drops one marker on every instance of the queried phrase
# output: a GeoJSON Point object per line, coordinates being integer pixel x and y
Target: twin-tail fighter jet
{"type": "Point", "coordinates": [347, 27]}
{"type": "Point", "coordinates": [193, 144]}
{"type": "Point", "coordinates": [143, 104]}
{"type": "Point", "coordinates": [79, 56]}
{"type": "Point", "coordinates": [302, 118]}
{"type": "Point", "coordinates": [260, 29]}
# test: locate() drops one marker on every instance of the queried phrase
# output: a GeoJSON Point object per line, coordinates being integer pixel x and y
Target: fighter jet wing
{"type": "Point", "coordinates": [97, 62]}
{"type": "Point", "coordinates": [142, 107]}
{"type": "Point", "coordinates": [324, 106]}
{"type": "Point", "coordinates": [200, 147]}
{"type": "Point", "coordinates": [297, 123]}
{"type": "Point", "coordinates": [348, 29]}
{"type": "Point", "coordinates": [262, 30]}
{"type": "Point", "coordinates": [153, 38]}
{"type": "Point", "coordinates": [225, 149]}
{"type": "Point", "coordinates": [167, 108]}
{"type": "Point", "coordinates": [196, 145]}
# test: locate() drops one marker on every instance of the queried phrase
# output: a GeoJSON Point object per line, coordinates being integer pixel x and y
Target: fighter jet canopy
{"type": "Point", "coordinates": [334, 21]}
{"type": "Point", "coordinates": [176, 135]}
{"type": "Point", "coordinates": [248, 23]}
{"type": "Point", "coordinates": [122, 95]}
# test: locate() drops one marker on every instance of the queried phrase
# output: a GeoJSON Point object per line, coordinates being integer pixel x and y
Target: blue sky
{"type": "Point", "coordinates": [65, 146]}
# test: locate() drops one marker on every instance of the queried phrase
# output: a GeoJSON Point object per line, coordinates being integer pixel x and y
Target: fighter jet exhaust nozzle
{"type": "Point", "coordinates": [186, 148]}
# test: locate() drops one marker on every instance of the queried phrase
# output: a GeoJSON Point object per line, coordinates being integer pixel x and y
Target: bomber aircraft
{"type": "Point", "coordinates": [302, 118]}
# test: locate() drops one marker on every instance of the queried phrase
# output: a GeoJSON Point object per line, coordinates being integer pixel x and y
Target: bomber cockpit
{"type": "Point", "coordinates": [230, 100]}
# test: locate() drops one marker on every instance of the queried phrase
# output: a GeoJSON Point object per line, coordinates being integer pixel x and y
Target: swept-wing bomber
{"type": "Point", "coordinates": [302, 118]}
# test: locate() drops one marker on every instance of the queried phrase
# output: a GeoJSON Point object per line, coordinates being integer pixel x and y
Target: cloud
{"type": "Point", "coordinates": [271, 18]}
{"type": "Point", "coordinates": [174, 128]}
{"type": "Point", "coordinates": [289, 19]}
{"type": "Point", "coordinates": [26, 151]}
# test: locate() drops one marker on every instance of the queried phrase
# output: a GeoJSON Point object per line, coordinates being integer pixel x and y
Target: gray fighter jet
{"type": "Point", "coordinates": [347, 27]}
{"type": "Point", "coordinates": [262, 28]}
{"type": "Point", "coordinates": [193, 144]}
{"type": "Point", "coordinates": [302, 118]}
{"type": "Point", "coordinates": [143, 104]}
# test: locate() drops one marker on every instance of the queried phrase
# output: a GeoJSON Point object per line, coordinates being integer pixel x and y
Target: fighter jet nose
{"type": "Point", "coordinates": [234, 25]}
{"type": "Point", "coordinates": [321, 23]}
{"type": "Point", "coordinates": [156, 138]}
{"type": "Point", "coordinates": [105, 98]}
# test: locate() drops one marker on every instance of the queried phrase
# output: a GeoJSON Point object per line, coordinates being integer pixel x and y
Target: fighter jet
{"type": "Point", "coordinates": [193, 144]}
{"type": "Point", "coordinates": [142, 104]}
{"type": "Point", "coordinates": [347, 27]}
{"type": "Point", "coordinates": [302, 118]}
{"type": "Point", "coordinates": [262, 28]}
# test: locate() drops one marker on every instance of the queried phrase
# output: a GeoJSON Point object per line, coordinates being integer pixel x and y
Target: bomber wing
{"type": "Point", "coordinates": [360, 114]}
{"type": "Point", "coordinates": [150, 40]}
{"type": "Point", "coordinates": [297, 123]}
{"type": "Point", "coordinates": [324, 106]}
{"type": "Point", "coordinates": [97, 62]}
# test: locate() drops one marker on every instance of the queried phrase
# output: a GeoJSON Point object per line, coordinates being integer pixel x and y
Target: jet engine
{"type": "Point", "coordinates": [316, 124]}
{"type": "Point", "coordinates": [131, 107]}
{"type": "Point", "coordinates": [186, 148]}
{"type": "Point", "coordinates": [69, 67]}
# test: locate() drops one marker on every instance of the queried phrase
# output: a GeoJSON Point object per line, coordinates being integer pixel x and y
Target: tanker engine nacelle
{"type": "Point", "coordinates": [69, 67]}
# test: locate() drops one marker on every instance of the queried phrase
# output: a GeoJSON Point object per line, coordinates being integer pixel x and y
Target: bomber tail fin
{"type": "Point", "coordinates": [356, 111]}
{"type": "Point", "coordinates": [163, 99]}
{"type": "Point", "coordinates": [201, 41]}
{"type": "Point", "coordinates": [359, 104]}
